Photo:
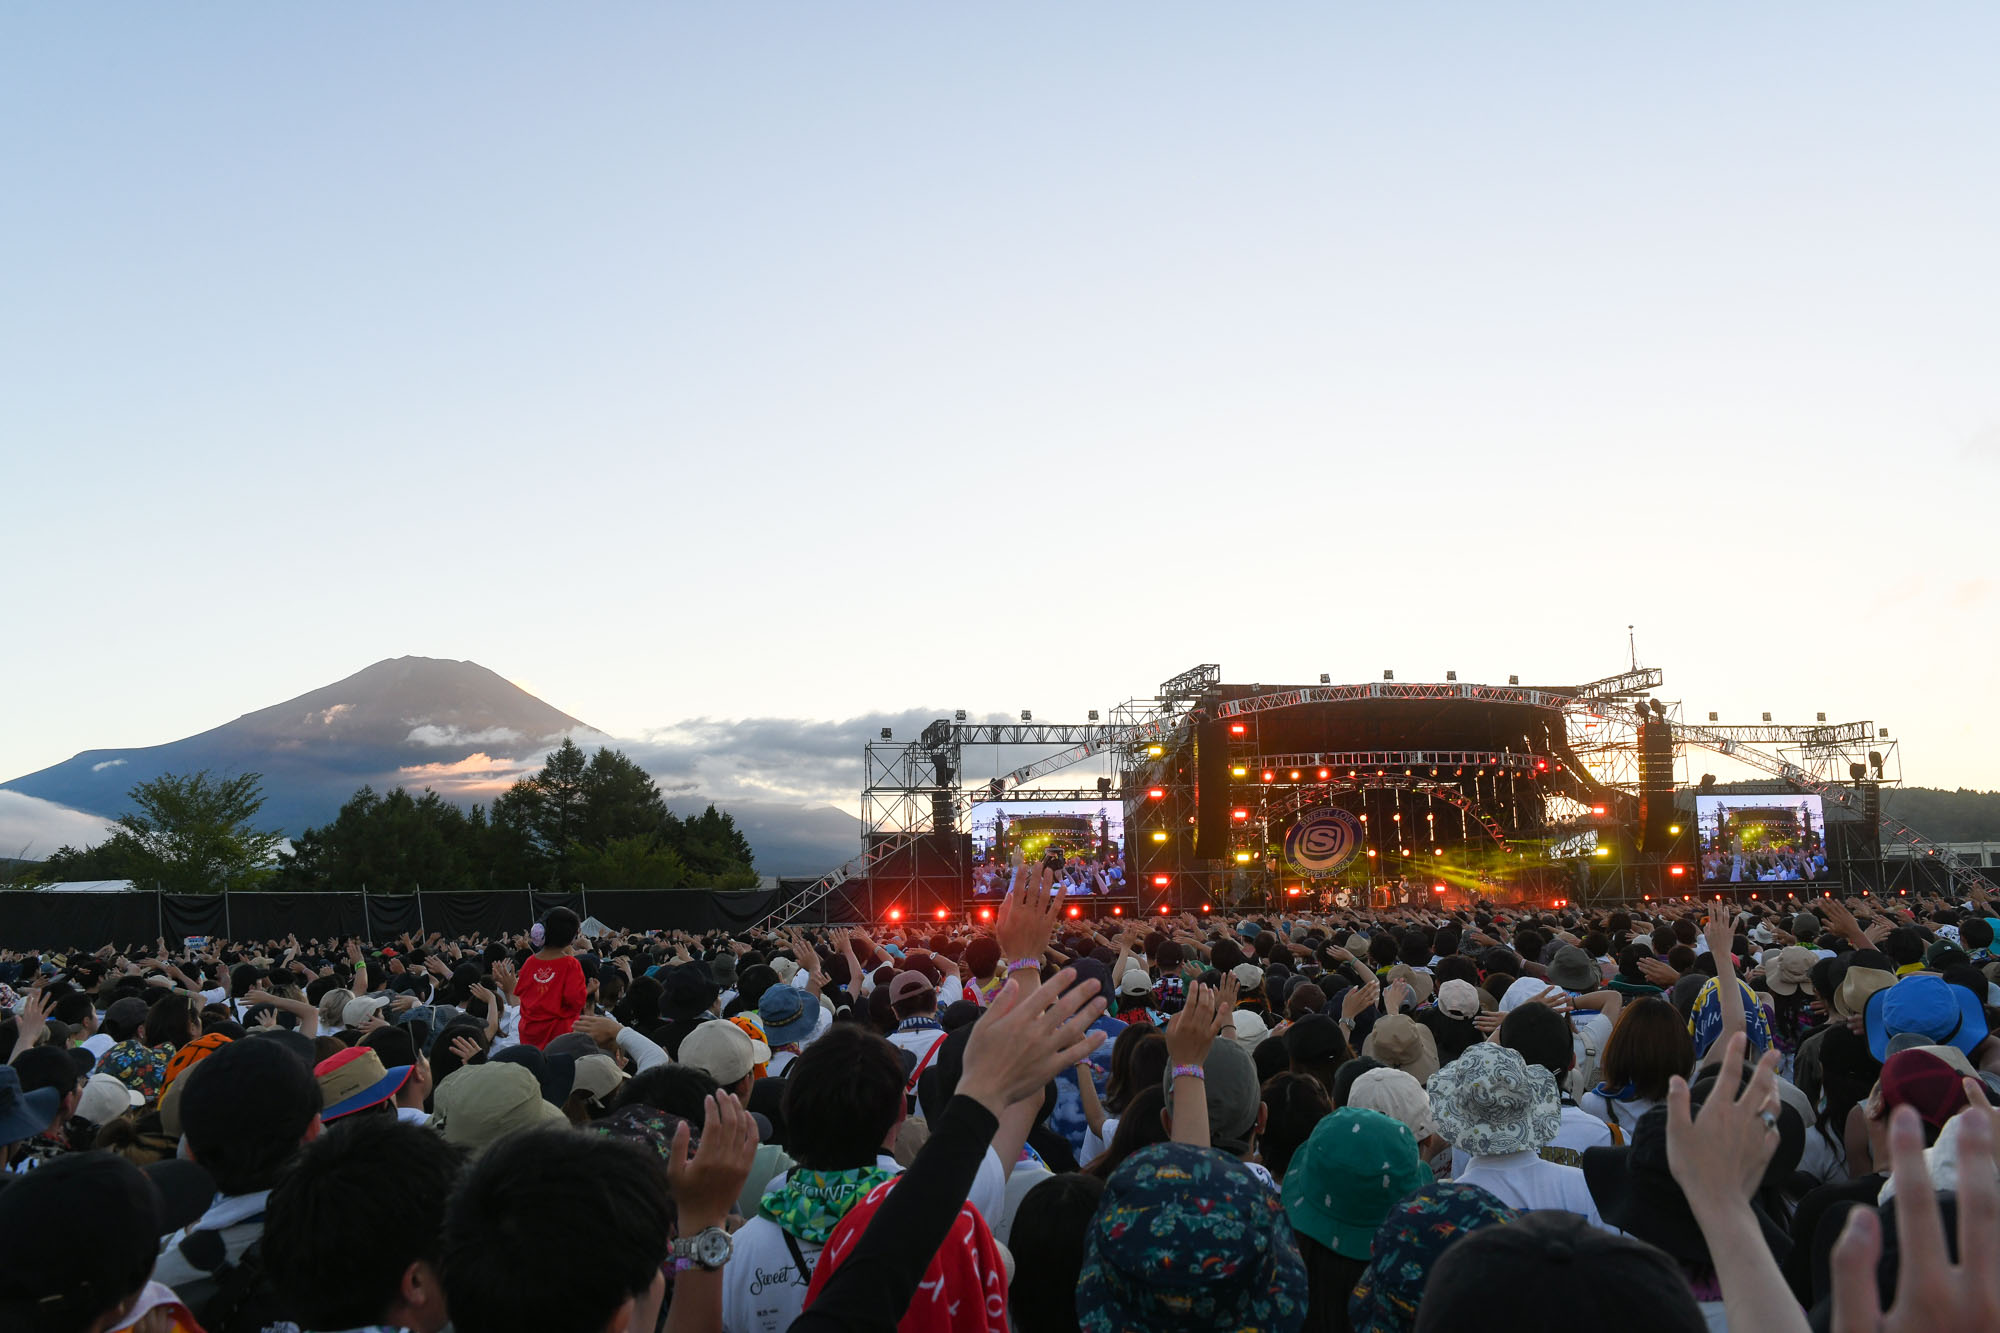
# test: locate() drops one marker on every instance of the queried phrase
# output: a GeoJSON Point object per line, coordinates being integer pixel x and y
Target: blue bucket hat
{"type": "Point", "coordinates": [1186, 1237]}
{"type": "Point", "coordinates": [24, 1114]}
{"type": "Point", "coordinates": [1407, 1246]}
{"type": "Point", "coordinates": [786, 1015]}
{"type": "Point", "coordinates": [1945, 1014]}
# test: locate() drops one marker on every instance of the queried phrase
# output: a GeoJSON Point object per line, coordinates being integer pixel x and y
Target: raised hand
{"type": "Point", "coordinates": [1721, 1153]}
{"type": "Point", "coordinates": [1358, 998]}
{"type": "Point", "coordinates": [706, 1184]}
{"type": "Point", "coordinates": [600, 1028]}
{"type": "Point", "coordinates": [1029, 1033]}
{"type": "Point", "coordinates": [466, 1049]}
{"type": "Point", "coordinates": [1191, 1032]}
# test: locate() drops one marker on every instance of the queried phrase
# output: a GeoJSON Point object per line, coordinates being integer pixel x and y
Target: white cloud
{"type": "Point", "coordinates": [435, 736]}
{"type": "Point", "coordinates": [109, 763]}
{"type": "Point", "coordinates": [32, 828]}
{"type": "Point", "coordinates": [326, 718]}
{"type": "Point", "coordinates": [1984, 447]}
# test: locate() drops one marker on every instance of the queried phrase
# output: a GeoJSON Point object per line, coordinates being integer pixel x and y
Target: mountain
{"type": "Point", "coordinates": [455, 727]}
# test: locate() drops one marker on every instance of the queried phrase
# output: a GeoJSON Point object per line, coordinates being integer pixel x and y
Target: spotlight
{"type": "Point", "coordinates": [1767, 717]}
{"type": "Point", "coordinates": [895, 914]}
{"type": "Point", "coordinates": [1269, 776]}
{"type": "Point", "coordinates": [985, 914]}
{"type": "Point", "coordinates": [1820, 717]}
{"type": "Point", "coordinates": [1118, 911]}
{"type": "Point", "coordinates": [1707, 782]}
{"type": "Point", "coordinates": [1103, 786]}
{"type": "Point", "coordinates": [1677, 870]}
{"type": "Point", "coordinates": [1156, 793]}
{"type": "Point", "coordinates": [1204, 907]}
{"type": "Point", "coordinates": [1660, 709]}
{"type": "Point", "coordinates": [885, 733]}
{"type": "Point", "coordinates": [1156, 750]}
{"type": "Point", "coordinates": [1323, 775]}
{"type": "Point", "coordinates": [1239, 771]}
{"type": "Point", "coordinates": [1076, 911]}
{"type": "Point", "coordinates": [1857, 771]}
{"type": "Point", "coordinates": [958, 716]}
{"type": "Point", "coordinates": [1437, 888]}
{"type": "Point", "coordinates": [1093, 715]}
{"type": "Point", "coordinates": [1239, 814]}
{"type": "Point", "coordinates": [1295, 775]}
{"type": "Point", "coordinates": [1236, 728]}
{"type": "Point", "coordinates": [1161, 881]}
{"type": "Point", "coordinates": [1603, 851]}
{"type": "Point", "coordinates": [1882, 734]}
{"type": "Point", "coordinates": [1242, 858]}
{"type": "Point", "coordinates": [1159, 835]}
{"type": "Point", "coordinates": [1325, 679]}
{"type": "Point", "coordinates": [942, 914]}
{"type": "Point", "coordinates": [1513, 680]}
{"type": "Point", "coordinates": [1875, 761]}
{"type": "Point", "coordinates": [1451, 675]}
{"type": "Point", "coordinates": [1674, 830]}
{"type": "Point", "coordinates": [1388, 675]}
{"type": "Point", "coordinates": [1371, 853]}
{"type": "Point", "coordinates": [1713, 718]}
{"type": "Point", "coordinates": [1293, 891]}
{"type": "Point", "coordinates": [1163, 909]}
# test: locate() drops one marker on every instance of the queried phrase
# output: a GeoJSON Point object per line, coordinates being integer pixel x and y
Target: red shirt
{"type": "Point", "coordinates": [551, 994]}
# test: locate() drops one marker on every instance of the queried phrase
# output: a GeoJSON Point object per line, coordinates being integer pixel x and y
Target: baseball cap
{"type": "Point", "coordinates": [720, 1050]}
{"type": "Point", "coordinates": [477, 1105]}
{"type": "Point", "coordinates": [908, 985]}
{"type": "Point", "coordinates": [1248, 976]}
{"type": "Point", "coordinates": [598, 1075]}
{"type": "Point", "coordinates": [577, 1044]}
{"type": "Point", "coordinates": [360, 1009]}
{"type": "Point", "coordinates": [1458, 999]}
{"type": "Point", "coordinates": [1920, 1079]}
{"type": "Point", "coordinates": [1420, 983]}
{"type": "Point", "coordinates": [1396, 1095]}
{"type": "Point", "coordinates": [1135, 985]}
{"type": "Point", "coordinates": [127, 1013]}
{"type": "Point", "coordinates": [1251, 1029]}
{"type": "Point", "coordinates": [104, 1099]}
{"type": "Point", "coordinates": [1229, 1084]}
{"type": "Point", "coordinates": [1401, 1042]}
{"type": "Point", "coordinates": [1867, 972]}
{"type": "Point", "coordinates": [1350, 1171]}
{"type": "Point", "coordinates": [355, 1080]}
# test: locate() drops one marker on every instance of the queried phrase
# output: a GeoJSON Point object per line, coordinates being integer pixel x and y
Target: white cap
{"type": "Point", "coordinates": [104, 1099]}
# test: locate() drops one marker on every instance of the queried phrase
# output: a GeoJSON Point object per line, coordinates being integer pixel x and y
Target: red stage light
{"type": "Point", "coordinates": [1542, 764]}
{"type": "Point", "coordinates": [1239, 814]}
{"type": "Point", "coordinates": [1293, 892]}
{"type": "Point", "coordinates": [1204, 907]}
{"type": "Point", "coordinates": [985, 914]}
{"type": "Point", "coordinates": [1236, 728]}
{"type": "Point", "coordinates": [1161, 881]}
{"type": "Point", "coordinates": [1324, 775]}
{"type": "Point", "coordinates": [1596, 809]}
{"type": "Point", "coordinates": [1295, 775]}
{"type": "Point", "coordinates": [1163, 909]}
{"type": "Point", "coordinates": [1076, 911]}
{"type": "Point", "coordinates": [942, 914]}
{"type": "Point", "coordinates": [1118, 911]}
{"type": "Point", "coordinates": [1677, 870]}
{"type": "Point", "coordinates": [1269, 775]}
{"type": "Point", "coordinates": [1437, 888]}
{"type": "Point", "coordinates": [1753, 897]}
{"type": "Point", "coordinates": [895, 914]}
{"type": "Point", "coordinates": [1156, 793]}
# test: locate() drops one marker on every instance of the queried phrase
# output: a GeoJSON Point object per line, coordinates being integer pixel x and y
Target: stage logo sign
{"type": "Point", "coordinates": [1322, 841]}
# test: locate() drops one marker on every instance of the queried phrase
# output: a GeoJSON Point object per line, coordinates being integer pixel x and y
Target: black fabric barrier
{"type": "Point", "coordinates": [69, 921]}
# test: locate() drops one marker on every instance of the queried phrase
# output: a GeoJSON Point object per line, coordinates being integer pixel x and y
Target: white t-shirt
{"type": "Point", "coordinates": [1623, 1114]}
{"type": "Point", "coordinates": [97, 1043]}
{"type": "Point", "coordinates": [763, 1288]}
{"type": "Point", "coordinates": [1523, 1180]}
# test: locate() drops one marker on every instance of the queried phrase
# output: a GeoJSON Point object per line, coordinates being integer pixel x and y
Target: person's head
{"type": "Point", "coordinates": [398, 1177]}
{"type": "Point", "coordinates": [1490, 1101]}
{"type": "Point", "coordinates": [1128, 1073]}
{"type": "Point", "coordinates": [1401, 1098]}
{"type": "Point", "coordinates": [1904, 945]}
{"type": "Point", "coordinates": [559, 929]}
{"type": "Point", "coordinates": [82, 1233]}
{"type": "Point", "coordinates": [50, 1067]}
{"type": "Point", "coordinates": [1306, 998]}
{"type": "Point", "coordinates": [1420, 1227]}
{"type": "Point", "coordinates": [246, 1110]}
{"type": "Point", "coordinates": [170, 1022]}
{"type": "Point", "coordinates": [912, 994]}
{"type": "Point", "coordinates": [724, 1052]}
{"type": "Point", "coordinates": [1143, 1124]}
{"type": "Point", "coordinates": [1648, 1046]}
{"type": "Point", "coordinates": [1350, 1171]}
{"type": "Point", "coordinates": [1975, 933]}
{"type": "Point", "coordinates": [1047, 1242]}
{"type": "Point", "coordinates": [1542, 1037]}
{"type": "Point", "coordinates": [1318, 1047]}
{"type": "Point", "coordinates": [1235, 1110]}
{"type": "Point", "coordinates": [77, 1010]}
{"type": "Point", "coordinates": [1235, 1262]}
{"type": "Point", "coordinates": [557, 1231]}
{"type": "Point", "coordinates": [1293, 1104]}
{"type": "Point", "coordinates": [1383, 949]}
{"type": "Point", "coordinates": [1349, 1071]}
{"type": "Point", "coordinates": [843, 1099]}
{"type": "Point", "coordinates": [1605, 1281]}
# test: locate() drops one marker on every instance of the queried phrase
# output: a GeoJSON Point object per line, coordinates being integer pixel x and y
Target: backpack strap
{"type": "Point", "coordinates": [910, 1088]}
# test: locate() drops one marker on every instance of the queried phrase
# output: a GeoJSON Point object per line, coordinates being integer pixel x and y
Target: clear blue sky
{"type": "Point", "coordinates": [796, 360]}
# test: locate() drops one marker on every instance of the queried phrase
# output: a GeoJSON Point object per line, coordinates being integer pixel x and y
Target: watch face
{"type": "Point", "coordinates": [712, 1247]}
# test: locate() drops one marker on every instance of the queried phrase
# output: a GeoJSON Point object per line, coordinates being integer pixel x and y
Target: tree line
{"type": "Point", "coordinates": [594, 821]}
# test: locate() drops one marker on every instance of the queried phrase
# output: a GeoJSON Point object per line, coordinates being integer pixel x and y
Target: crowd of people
{"type": "Point", "coordinates": [1686, 1118]}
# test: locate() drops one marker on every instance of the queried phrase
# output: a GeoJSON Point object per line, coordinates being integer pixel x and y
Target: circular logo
{"type": "Point", "coordinates": [1322, 841]}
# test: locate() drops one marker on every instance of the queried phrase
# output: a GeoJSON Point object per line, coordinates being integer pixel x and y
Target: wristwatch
{"type": "Point", "coordinates": [710, 1248]}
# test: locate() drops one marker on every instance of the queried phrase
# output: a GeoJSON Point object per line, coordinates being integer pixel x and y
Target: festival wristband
{"type": "Point", "coordinates": [1020, 963]}
{"type": "Point", "coordinates": [1191, 1071]}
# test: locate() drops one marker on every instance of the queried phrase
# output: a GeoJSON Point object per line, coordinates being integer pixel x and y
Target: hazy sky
{"type": "Point", "coordinates": [806, 360]}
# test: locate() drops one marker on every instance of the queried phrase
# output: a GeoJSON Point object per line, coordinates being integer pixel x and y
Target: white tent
{"type": "Point", "coordinates": [87, 886]}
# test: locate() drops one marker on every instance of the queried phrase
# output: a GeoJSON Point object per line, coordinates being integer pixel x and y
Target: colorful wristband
{"type": "Point", "coordinates": [1191, 1071]}
{"type": "Point", "coordinates": [1020, 963]}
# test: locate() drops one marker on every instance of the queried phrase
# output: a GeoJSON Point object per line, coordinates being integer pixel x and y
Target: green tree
{"type": "Point", "coordinates": [193, 833]}
{"type": "Point", "coordinates": [717, 854]}
{"type": "Point", "coordinates": [638, 862]}
{"type": "Point", "coordinates": [394, 843]}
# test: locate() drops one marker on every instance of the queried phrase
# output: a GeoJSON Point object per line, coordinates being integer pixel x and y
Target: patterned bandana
{"type": "Point", "coordinates": [964, 1290]}
{"type": "Point", "coordinates": [809, 1204]}
{"type": "Point", "coordinates": [1408, 1245]}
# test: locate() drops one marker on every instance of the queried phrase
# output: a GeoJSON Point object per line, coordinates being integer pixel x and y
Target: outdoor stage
{"type": "Point", "coordinates": [1223, 797]}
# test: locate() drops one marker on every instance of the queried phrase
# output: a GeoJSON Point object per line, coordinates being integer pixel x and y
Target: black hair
{"type": "Point", "coordinates": [1542, 1037]}
{"type": "Point", "coordinates": [845, 1096]}
{"type": "Point", "coordinates": [678, 1089]}
{"type": "Point", "coordinates": [1414, 948]}
{"type": "Point", "coordinates": [1293, 1104]}
{"type": "Point", "coordinates": [170, 1022]}
{"type": "Point", "coordinates": [1904, 945]}
{"type": "Point", "coordinates": [591, 1208]}
{"type": "Point", "coordinates": [1141, 1126]}
{"type": "Point", "coordinates": [245, 1110]}
{"type": "Point", "coordinates": [1383, 949]}
{"type": "Point", "coordinates": [1051, 1226]}
{"type": "Point", "coordinates": [1975, 933]}
{"type": "Point", "coordinates": [395, 1175]}
{"type": "Point", "coordinates": [47, 1067]}
{"type": "Point", "coordinates": [75, 1009]}
{"type": "Point", "coordinates": [1344, 1076]}
{"type": "Point", "coordinates": [559, 928]}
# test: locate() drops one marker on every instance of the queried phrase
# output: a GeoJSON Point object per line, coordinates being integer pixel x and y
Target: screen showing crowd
{"type": "Point", "coordinates": [1776, 839]}
{"type": "Point", "coordinates": [1082, 841]}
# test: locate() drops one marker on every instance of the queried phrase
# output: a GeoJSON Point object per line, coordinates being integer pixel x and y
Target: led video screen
{"type": "Point", "coordinates": [1761, 839]}
{"type": "Point", "coordinates": [1088, 837]}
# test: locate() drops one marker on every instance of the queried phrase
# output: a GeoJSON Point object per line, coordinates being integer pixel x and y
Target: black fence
{"type": "Point", "coordinates": [31, 920]}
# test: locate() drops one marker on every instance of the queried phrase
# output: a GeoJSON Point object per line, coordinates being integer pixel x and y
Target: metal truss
{"type": "Point", "coordinates": [1389, 689]}
{"type": "Point", "coordinates": [1818, 736]}
{"type": "Point", "coordinates": [1192, 683]}
{"type": "Point", "coordinates": [1636, 681]}
{"type": "Point", "coordinates": [1027, 733]}
{"type": "Point", "coordinates": [1386, 759]}
{"type": "Point", "coordinates": [1030, 795]}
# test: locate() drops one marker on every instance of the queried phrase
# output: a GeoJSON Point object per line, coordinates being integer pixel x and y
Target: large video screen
{"type": "Point", "coordinates": [1761, 839]}
{"type": "Point", "coordinates": [1089, 836]}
